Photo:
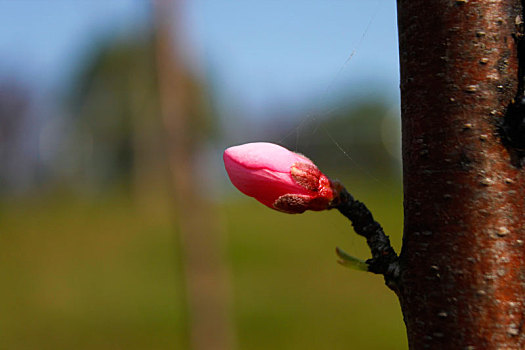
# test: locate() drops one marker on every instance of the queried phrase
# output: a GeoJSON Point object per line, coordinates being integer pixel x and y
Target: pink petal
{"type": "Point", "coordinates": [265, 185]}
{"type": "Point", "coordinates": [266, 155]}
{"type": "Point", "coordinates": [264, 171]}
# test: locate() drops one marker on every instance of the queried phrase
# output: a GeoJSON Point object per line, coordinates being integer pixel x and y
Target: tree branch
{"type": "Point", "coordinates": [384, 259]}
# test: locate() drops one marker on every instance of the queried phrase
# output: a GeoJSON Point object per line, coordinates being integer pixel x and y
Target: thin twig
{"type": "Point", "coordinates": [384, 259]}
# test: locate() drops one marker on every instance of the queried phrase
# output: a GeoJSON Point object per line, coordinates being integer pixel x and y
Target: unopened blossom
{"type": "Point", "coordinates": [278, 178]}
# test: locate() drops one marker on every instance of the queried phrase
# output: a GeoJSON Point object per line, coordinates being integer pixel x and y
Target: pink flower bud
{"type": "Point", "coordinates": [278, 178]}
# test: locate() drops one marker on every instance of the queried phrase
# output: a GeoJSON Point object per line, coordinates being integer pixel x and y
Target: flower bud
{"type": "Point", "coordinates": [278, 178]}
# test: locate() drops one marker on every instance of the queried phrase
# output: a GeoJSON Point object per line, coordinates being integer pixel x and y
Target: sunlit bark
{"type": "Point", "coordinates": [462, 282]}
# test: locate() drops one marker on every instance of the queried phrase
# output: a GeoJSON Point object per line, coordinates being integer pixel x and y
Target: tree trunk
{"type": "Point", "coordinates": [462, 283]}
{"type": "Point", "coordinates": [205, 272]}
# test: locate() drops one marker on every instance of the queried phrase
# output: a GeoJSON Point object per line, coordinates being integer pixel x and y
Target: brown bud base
{"type": "Point", "coordinates": [297, 204]}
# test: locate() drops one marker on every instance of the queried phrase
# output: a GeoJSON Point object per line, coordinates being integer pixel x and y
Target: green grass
{"type": "Point", "coordinates": [105, 274]}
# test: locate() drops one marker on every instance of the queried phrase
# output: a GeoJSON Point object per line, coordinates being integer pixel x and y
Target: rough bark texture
{"type": "Point", "coordinates": [462, 282]}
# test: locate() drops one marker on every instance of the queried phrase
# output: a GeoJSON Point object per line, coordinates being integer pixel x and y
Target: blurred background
{"type": "Point", "coordinates": [118, 226]}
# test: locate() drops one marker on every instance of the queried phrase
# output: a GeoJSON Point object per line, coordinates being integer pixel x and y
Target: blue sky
{"type": "Point", "coordinates": [259, 53]}
{"type": "Point", "coordinates": [41, 41]}
{"type": "Point", "coordinates": [290, 50]}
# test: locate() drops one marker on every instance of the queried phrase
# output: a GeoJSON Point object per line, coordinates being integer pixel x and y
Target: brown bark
{"type": "Point", "coordinates": [462, 282]}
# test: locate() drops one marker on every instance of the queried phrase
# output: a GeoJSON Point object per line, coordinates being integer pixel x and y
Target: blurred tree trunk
{"type": "Point", "coordinates": [462, 280]}
{"type": "Point", "coordinates": [149, 160]}
{"type": "Point", "coordinates": [206, 277]}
